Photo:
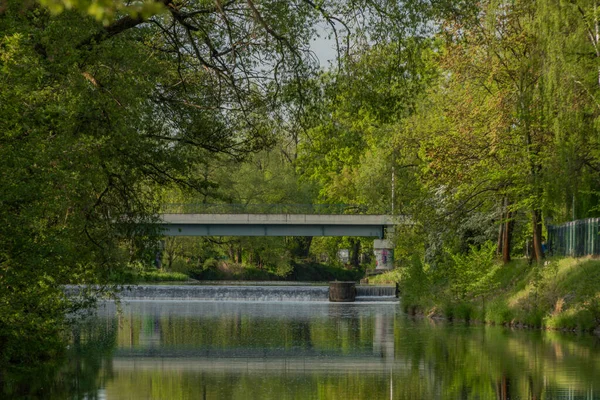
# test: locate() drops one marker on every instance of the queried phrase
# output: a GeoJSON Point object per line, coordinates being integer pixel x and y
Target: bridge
{"type": "Point", "coordinates": [276, 225]}
{"type": "Point", "coordinates": [275, 220]}
{"type": "Point", "coordinates": [282, 220]}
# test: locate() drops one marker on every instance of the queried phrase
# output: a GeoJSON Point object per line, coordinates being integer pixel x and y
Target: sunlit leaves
{"type": "Point", "coordinates": [105, 11]}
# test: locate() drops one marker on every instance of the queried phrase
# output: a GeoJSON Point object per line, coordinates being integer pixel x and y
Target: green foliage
{"type": "Point", "coordinates": [498, 312]}
{"type": "Point", "coordinates": [319, 272]}
{"type": "Point", "coordinates": [303, 272]}
{"type": "Point", "coordinates": [415, 286]}
{"type": "Point", "coordinates": [99, 120]}
{"type": "Point", "coordinates": [352, 150]}
{"type": "Point", "coordinates": [458, 310]}
{"type": "Point", "coordinates": [471, 275]}
{"type": "Point", "coordinates": [161, 276]}
{"type": "Point", "coordinates": [480, 118]}
{"type": "Point", "coordinates": [559, 295]}
{"type": "Point", "coordinates": [394, 276]}
{"type": "Point", "coordinates": [241, 272]}
{"type": "Point", "coordinates": [137, 272]}
{"type": "Point", "coordinates": [581, 319]}
{"type": "Point", "coordinates": [210, 263]}
{"type": "Point", "coordinates": [104, 10]}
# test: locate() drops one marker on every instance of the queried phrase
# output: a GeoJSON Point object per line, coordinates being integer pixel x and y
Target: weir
{"type": "Point", "coordinates": [226, 293]}
{"type": "Point", "coordinates": [268, 293]}
{"type": "Point", "coordinates": [376, 293]}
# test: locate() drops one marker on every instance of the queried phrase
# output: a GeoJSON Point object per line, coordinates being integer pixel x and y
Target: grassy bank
{"type": "Point", "coordinates": [149, 275]}
{"type": "Point", "coordinates": [560, 294]}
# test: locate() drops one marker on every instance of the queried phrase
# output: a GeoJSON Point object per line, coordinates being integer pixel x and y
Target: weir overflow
{"type": "Point", "coordinates": [364, 293]}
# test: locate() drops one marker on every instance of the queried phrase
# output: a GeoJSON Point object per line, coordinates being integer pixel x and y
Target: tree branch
{"type": "Point", "coordinates": [117, 27]}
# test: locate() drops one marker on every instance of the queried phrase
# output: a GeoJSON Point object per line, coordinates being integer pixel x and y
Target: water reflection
{"type": "Point", "coordinates": [172, 350]}
{"type": "Point", "coordinates": [383, 336]}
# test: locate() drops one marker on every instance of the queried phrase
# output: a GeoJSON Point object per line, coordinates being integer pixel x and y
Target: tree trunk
{"type": "Point", "coordinates": [500, 234]}
{"type": "Point", "coordinates": [169, 251]}
{"type": "Point", "coordinates": [505, 232]}
{"type": "Point", "coordinates": [354, 252]}
{"type": "Point", "coordinates": [537, 253]}
{"type": "Point", "coordinates": [507, 235]}
{"type": "Point", "coordinates": [170, 261]}
{"type": "Point", "coordinates": [503, 388]}
{"type": "Point", "coordinates": [231, 252]}
{"type": "Point", "coordinates": [506, 239]}
{"type": "Point", "coordinates": [299, 246]}
{"type": "Point", "coordinates": [238, 254]}
{"type": "Point", "coordinates": [304, 248]}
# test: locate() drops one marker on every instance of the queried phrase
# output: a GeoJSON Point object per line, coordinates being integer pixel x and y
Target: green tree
{"type": "Point", "coordinates": [97, 118]}
{"type": "Point", "coordinates": [516, 116]}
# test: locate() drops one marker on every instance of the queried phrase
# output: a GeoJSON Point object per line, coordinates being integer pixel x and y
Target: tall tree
{"type": "Point", "coordinates": [100, 111]}
{"type": "Point", "coordinates": [97, 117]}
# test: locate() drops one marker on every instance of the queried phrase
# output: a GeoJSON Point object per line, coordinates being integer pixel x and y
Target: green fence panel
{"type": "Point", "coordinates": [576, 238]}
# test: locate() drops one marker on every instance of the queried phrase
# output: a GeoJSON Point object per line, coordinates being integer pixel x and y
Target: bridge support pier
{"type": "Point", "coordinates": [384, 254]}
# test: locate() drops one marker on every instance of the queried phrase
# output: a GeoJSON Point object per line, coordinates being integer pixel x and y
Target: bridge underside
{"type": "Point", "coordinates": [272, 230]}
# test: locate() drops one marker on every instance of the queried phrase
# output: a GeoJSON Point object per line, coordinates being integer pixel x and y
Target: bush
{"type": "Point", "coordinates": [533, 318]}
{"type": "Point", "coordinates": [183, 266]}
{"type": "Point", "coordinates": [573, 319]}
{"type": "Point", "coordinates": [414, 287]}
{"type": "Point", "coordinates": [498, 312]}
{"type": "Point", "coordinates": [393, 276]}
{"type": "Point", "coordinates": [315, 272]}
{"type": "Point", "coordinates": [161, 276]}
{"type": "Point", "coordinates": [464, 311]}
{"type": "Point", "coordinates": [210, 263]}
{"type": "Point", "coordinates": [138, 273]}
{"type": "Point", "coordinates": [471, 274]}
{"type": "Point", "coordinates": [458, 311]}
{"type": "Point", "coordinates": [283, 269]}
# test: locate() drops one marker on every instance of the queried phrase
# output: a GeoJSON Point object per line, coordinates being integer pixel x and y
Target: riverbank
{"type": "Point", "coordinates": [222, 271]}
{"type": "Point", "coordinates": [562, 294]}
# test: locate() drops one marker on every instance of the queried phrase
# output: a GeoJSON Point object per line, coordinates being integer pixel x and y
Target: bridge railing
{"type": "Point", "coordinates": [201, 208]}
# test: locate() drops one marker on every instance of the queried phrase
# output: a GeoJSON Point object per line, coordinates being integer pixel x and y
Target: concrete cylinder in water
{"type": "Point", "coordinates": [342, 291]}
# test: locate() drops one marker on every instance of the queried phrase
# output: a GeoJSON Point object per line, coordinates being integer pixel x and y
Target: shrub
{"type": "Point", "coordinates": [463, 311]}
{"type": "Point", "coordinates": [498, 312]}
{"type": "Point", "coordinates": [182, 266]}
{"type": "Point", "coordinates": [210, 263]}
{"type": "Point", "coordinates": [580, 318]}
{"type": "Point", "coordinates": [415, 283]}
{"type": "Point", "coordinates": [471, 274]}
{"type": "Point", "coordinates": [162, 276]}
{"type": "Point", "coordinates": [393, 276]}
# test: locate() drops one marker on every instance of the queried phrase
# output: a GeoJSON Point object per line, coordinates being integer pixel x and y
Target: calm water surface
{"type": "Point", "coordinates": [310, 350]}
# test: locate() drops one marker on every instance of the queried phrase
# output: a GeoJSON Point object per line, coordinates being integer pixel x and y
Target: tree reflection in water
{"type": "Point", "coordinates": [157, 350]}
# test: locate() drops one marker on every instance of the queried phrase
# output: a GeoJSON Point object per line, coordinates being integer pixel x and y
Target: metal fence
{"type": "Point", "coordinates": [265, 209]}
{"type": "Point", "coordinates": [576, 238]}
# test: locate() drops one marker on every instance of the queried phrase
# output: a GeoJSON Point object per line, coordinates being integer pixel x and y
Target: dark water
{"type": "Point", "coordinates": [277, 350]}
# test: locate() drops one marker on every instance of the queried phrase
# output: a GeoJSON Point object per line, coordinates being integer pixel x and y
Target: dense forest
{"type": "Point", "coordinates": [478, 119]}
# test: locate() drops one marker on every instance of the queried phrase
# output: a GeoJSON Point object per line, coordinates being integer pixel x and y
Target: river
{"type": "Point", "coordinates": [314, 350]}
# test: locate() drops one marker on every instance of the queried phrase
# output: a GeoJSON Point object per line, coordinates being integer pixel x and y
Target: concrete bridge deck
{"type": "Point", "coordinates": [277, 225]}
